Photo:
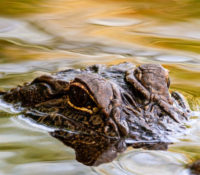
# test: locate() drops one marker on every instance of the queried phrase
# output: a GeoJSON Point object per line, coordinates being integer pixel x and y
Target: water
{"type": "Point", "coordinates": [44, 36]}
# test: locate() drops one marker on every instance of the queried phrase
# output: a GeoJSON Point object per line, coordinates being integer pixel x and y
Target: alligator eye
{"type": "Point", "coordinates": [80, 98]}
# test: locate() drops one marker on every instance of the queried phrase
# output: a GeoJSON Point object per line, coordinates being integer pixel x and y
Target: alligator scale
{"type": "Point", "coordinates": [100, 111]}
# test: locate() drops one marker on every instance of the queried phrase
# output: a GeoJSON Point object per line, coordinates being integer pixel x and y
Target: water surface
{"type": "Point", "coordinates": [44, 36]}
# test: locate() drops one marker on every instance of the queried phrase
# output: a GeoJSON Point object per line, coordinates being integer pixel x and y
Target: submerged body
{"type": "Point", "coordinates": [100, 111]}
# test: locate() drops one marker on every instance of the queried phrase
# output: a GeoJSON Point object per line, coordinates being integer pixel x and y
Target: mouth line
{"type": "Point", "coordinates": [132, 141]}
{"type": "Point", "coordinates": [81, 127]}
{"type": "Point", "coordinates": [88, 134]}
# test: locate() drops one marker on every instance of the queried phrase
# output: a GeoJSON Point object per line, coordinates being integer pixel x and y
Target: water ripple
{"type": "Point", "coordinates": [153, 162]}
{"type": "Point", "coordinates": [173, 58]}
{"type": "Point", "coordinates": [115, 22]}
{"type": "Point", "coordinates": [22, 30]}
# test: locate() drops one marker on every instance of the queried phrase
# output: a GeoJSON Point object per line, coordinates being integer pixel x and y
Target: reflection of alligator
{"type": "Point", "coordinates": [99, 111]}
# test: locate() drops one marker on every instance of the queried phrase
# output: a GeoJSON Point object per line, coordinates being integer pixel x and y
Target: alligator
{"type": "Point", "coordinates": [100, 110]}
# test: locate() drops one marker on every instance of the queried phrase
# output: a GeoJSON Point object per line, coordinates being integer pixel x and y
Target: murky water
{"type": "Point", "coordinates": [44, 36]}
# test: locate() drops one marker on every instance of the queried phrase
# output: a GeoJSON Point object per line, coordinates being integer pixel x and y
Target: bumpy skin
{"type": "Point", "coordinates": [195, 168]}
{"type": "Point", "coordinates": [100, 111]}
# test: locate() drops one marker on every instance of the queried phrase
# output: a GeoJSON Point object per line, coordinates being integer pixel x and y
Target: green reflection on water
{"type": "Point", "coordinates": [20, 7]}
{"type": "Point", "coordinates": [168, 10]}
{"type": "Point", "coordinates": [176, 10]}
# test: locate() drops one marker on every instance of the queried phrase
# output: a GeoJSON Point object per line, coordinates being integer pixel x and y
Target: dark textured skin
{"type": "Point", "coordinates": [100, 111]}
{"type": "Point", "coordinates": [195, 168]}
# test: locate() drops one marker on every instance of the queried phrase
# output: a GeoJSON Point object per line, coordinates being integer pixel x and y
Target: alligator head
{"type": "Point", "coordinates": [100, 111]}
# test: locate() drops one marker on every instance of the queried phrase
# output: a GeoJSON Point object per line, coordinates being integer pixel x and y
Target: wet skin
{"type": "Point", "coordinates": [195, 167]}
{"type": "Point", "coordinates": [100, 111]}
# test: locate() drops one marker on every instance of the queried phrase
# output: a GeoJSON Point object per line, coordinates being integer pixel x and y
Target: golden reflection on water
{"type": "Point", "coordinates": [44, 36]}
